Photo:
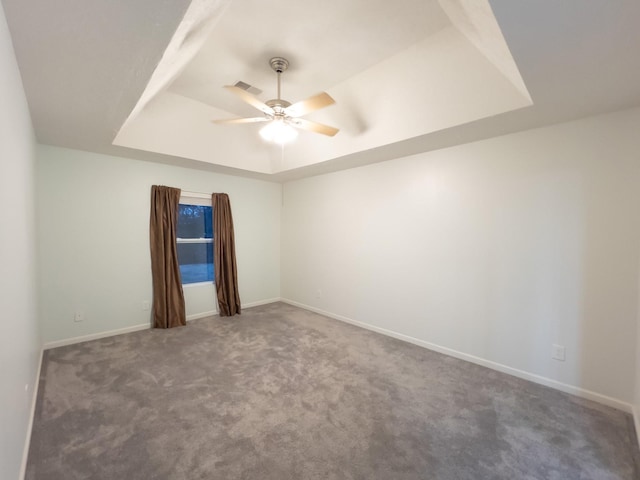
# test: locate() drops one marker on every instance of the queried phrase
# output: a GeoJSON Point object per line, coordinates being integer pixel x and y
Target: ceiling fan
{"type": "Point", "coordinates": [281, 114]}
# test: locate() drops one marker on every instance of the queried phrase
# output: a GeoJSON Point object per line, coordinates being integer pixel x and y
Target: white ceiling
{"type": "Point", "coordinates": [408, 76]}
{"type": "Point", "coordinates": [325, 46]}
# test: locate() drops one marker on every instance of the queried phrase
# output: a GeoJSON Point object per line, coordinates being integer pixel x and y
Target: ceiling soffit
{"type": "Point", "coordinates": [397, 70]}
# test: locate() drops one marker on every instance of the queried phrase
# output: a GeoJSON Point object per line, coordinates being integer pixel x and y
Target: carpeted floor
{"type": "Point", "coordinates": [280, 393]}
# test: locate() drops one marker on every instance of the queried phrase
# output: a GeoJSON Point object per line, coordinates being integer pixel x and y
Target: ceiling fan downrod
{"type": "Point", "coordinates": [279, 65]}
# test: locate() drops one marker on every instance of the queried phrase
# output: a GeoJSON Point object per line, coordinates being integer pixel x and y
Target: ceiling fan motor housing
{"type": "Point", "coordinates": [278, 106]}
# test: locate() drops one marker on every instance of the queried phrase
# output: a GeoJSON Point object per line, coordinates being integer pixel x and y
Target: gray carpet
{"type": "Point", "coordinates": [281, 393]}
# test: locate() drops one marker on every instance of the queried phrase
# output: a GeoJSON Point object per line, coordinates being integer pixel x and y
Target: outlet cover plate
{"type": "Point", "coordinates": [559, 353]}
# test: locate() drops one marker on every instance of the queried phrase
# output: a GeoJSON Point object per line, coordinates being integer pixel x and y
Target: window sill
{"type": "Point", "coordinates": [198, 284]}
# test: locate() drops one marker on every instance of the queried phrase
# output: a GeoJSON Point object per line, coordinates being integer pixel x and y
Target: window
{"type": "Point", "coordinates": [195, 240]}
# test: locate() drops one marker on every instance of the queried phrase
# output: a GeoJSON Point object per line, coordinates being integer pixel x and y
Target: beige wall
{"type": "Point", "coordinates": [493, 251]}
{"type": "Point", "coordinates": [636, 400]}
{"type": "Point", "coordinates": [93, 217]}
{"type": "Point", "coordinates": [19, 341]}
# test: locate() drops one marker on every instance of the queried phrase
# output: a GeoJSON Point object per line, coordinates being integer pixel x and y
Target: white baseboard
{"type": "Point", "coordinates": [261, 302]}
{"type": "Point", "coordinates": [95, 336]}
{"type": "Point", "coordinates": [32, 413]}
{"type": "Point", "coordinates": [144, 326]}
{"type": "Point", "coordinates": [580, 392]}
{"type": "Point", "coordinates": [196, 316]}
{"type": "Point", "coordinates": [603, 399]}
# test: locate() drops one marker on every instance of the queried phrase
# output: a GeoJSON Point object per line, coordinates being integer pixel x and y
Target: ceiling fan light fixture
{"type": "Point", "coordinates": [283, 117]}
{"type": "Point", "coordinates": [278, 131]}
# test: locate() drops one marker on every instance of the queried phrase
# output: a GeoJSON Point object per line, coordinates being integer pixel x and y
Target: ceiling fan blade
{"type": "Point", "coordinates": [314, 126]}
{"type": "Point", "coordinates": [250, 99]}
{"type": "Point", "coordinates": [241, 120]}
{"type": "Point", "coordinates": [309, 105]}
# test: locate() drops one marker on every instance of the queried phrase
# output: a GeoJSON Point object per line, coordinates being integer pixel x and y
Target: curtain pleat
{"type": "Point", "coordinates": [224, 256]}
{"type": "Point", "coordinates": [168, 297]}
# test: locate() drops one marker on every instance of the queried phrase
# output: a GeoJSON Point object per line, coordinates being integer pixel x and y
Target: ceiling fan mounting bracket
{"type": "Point", "coordinates": [279, 64]}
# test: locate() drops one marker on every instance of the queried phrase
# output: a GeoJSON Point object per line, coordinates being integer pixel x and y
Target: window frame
{"type": "Point", "coordinates": [197, 199]}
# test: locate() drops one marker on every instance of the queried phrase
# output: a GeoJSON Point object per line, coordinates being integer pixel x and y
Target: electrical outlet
{"type": "Point", "coordinates": [79, 316]}
{"type": "Point", "coordinates": [146, 306]}
{"type": "Point", "coordinates": [559, 353]}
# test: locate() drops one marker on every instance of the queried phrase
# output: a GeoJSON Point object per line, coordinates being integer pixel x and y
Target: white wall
{"type": "Point", "coordinates": [19, 342]}
{"type": "Point", "coordinates": [496, 249]}
{"type": "Point", "coordinates": [93, 217]}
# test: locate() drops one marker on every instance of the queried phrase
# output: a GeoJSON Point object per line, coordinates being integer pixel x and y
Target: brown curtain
{"type": "Point", "coordinates": [224, 256]}
{"type": "Point", "coordinates": [168, 298]}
